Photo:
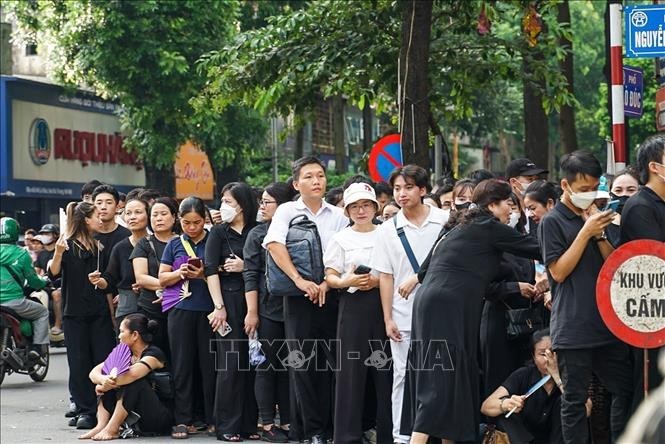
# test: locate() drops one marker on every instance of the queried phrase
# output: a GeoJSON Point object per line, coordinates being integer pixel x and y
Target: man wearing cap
{"type": "Point", "coordinates": [48, 234]}
{"type": "Point", "coordinates": [520, 173]}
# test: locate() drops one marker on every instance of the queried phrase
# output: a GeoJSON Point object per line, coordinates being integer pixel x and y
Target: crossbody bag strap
{"type": "Point", "coordinates": [407, 247]}
{"type": "Point", "coordinates": [188, 246]}
{"type": "Point", "coordinates": [14, 275]}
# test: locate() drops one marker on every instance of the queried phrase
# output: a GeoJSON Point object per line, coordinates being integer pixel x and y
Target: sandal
{"type": "Point", "coordinates": [229, 437]}
{"type": "Point", "coordinates": [251, 436]}
{"type": "Point", "coordinates": [179, 432]}
{"type": "Point", "coordinates": [211, 431]}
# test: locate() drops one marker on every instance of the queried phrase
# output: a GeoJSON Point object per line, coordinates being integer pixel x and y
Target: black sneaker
{"type": "Point", "coordinates": [274, 434]}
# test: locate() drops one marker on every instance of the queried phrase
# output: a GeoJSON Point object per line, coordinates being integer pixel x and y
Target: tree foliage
{"type": "Point", "coordinates": [142, 53]}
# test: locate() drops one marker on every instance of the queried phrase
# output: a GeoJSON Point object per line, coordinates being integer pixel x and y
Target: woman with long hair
{"type": "Point", "coordinates": [131, 391]}
{"type": "Point", "coordinates": [145, 259]}
{"type": "Point", "coordinates": [188, 329]}
{"type": "Point", "coordinates": [86, 319]}
{"type": "Point", "coordinates": [223, 268]}
{"type": "Point", "coordinates": [442, 394]}
{"type": "Point", "coordinates": [265, 314]}
{"type": "Point", "coordinates": [119, 273]}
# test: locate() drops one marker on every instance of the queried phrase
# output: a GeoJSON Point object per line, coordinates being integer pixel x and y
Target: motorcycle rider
{"type": "Point", "coordinates": [15, 269]}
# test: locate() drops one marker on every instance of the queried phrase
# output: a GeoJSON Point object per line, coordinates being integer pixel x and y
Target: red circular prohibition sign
{"type": "Point", "coordinates": [641, 339]}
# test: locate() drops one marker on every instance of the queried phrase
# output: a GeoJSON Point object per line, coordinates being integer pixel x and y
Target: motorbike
{"type": "Point", "coordinates": [15, 346]}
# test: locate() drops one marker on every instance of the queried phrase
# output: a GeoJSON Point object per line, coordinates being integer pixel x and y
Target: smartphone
{"type": "Point", "coordinates": [194, 262]}
{"type": "Point", "coordinates": [224, 329]}
{"type": "Point", "coordinates": [362, 269]}
{"type": "Point", "coordinates": [612, 205]}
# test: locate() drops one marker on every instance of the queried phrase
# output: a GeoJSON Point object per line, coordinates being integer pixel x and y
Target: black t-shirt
{"type": "Point", "coordinates": [155, 352]}
{"type": "Point", "coordinates": [643, 217]}
{"type": "Point", "coordinates": [108, 241]}
{"type": "Point", "coordinates": [42, 259]}
{"type": "Point", "coordinates": [223, 243]}
{"type": "Point", "coordinates": [119, 272]}
{"type": "Point", "coordinates": [254, 275]}
{"type": "Point", "coordinates": [540, 407]}
{"type": "Point", "coordinates": [575, 321]}
{"type": "Point", "coordinates": [144, 249]}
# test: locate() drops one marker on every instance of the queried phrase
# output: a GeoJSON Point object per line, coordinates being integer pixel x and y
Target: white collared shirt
{"type": "Point", "coordinates": [329, 220]}
{"type": "Point", "coordinates": [389, 256]}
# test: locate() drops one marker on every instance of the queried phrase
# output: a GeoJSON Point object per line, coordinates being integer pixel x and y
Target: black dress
{"type": "Point", "coordinates": [441, 397]}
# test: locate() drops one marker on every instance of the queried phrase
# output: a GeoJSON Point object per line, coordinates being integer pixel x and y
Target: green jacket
{"type": "Point", "coordinates": [19, 261]}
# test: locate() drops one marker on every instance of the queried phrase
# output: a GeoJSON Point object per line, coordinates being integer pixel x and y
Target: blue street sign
{"type": "Point", "coordinates": [645, 36]}
{"type": "Point", "coordinates": [633, 90]}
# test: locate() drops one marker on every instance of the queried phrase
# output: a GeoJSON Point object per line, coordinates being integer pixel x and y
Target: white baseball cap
{"type": "Point", "coordinates": [359, 191]}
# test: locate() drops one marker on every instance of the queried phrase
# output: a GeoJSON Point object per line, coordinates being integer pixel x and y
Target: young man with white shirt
{"type": "Point", "coordinates": [308, 317]}
{"type": "Point", "coordinates": [398, 281]}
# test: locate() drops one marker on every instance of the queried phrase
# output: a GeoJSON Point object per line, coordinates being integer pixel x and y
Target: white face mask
{"type": "Point", "coordinates": [583, 200]}
{"type": "Point", "coordinates": [514, 219]}
{"type": "Point", "coordinates": [447, 212]}
{"type": "Point", "coordinates": [48, 239]}
{"type": "Point", "coordinates": [524, 186]}
{"type": "Point", "coordinates": [259, 216]}
{"type": "Point", "coordinates": [228, 212]}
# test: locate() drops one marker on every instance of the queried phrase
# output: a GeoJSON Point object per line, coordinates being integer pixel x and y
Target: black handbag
{"type": "Point", "coordinates": [162, 383]}
{"type": "Point", "coordinates": [522, 322]}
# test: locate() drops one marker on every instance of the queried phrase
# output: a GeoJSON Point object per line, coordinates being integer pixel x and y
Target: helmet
{"type": "Point", "coordinates": [50, 228]}
{"type": "Point", "coordinates": [9, 230]}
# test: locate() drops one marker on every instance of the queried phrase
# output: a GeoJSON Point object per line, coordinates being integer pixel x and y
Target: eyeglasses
{"type": "Point", "coordinates": [357, 207]}
{"type": "Point", "coordinates": [267, 202]}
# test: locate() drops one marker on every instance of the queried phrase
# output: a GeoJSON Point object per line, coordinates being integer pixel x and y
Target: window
{"type": "Point", "coordinates": [30, 50]}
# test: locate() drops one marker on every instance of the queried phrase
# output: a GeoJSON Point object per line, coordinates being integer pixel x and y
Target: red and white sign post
{"type": "Point", "coordinates": [630, 293]}
{"type": "Point", "coordinates": [616, 71]}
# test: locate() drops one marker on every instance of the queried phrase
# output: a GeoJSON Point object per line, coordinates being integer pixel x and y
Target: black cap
{"type": "Point", "coordinates": [50, 228]}
{"type": "Point", "coordinates": [523, 167]}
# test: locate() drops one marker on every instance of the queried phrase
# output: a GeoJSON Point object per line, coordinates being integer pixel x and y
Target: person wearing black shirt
{"type": "Point", "coordinates": [48, 234]}
{"type": "Point", "coordinates": [86, 319]}
{"type": "Point", "coordinates": [271, 386]}
{"type": "Point", "coordinates": [574, 247]}
{"type": "Point", "coordinates": [146, 258]}
{"type": "Point", "coordinates": [131, 391]}
{"type": "Point", "coordinates": [643, 217]}
{"type": "Point", "coordinates": [223, 268]}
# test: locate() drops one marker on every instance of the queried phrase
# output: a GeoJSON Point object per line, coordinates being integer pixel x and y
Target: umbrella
{"type": "Point", "coordinates": [118, 361]}
{"type": "Point", "coordinates": [177, 292]}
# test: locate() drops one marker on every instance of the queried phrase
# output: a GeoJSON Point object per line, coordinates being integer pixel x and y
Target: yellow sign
{"type": "Point", "coordinates": [193, 173]}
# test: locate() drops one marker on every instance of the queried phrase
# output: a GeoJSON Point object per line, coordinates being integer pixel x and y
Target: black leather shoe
{"type": "Point", "coordinates": [86, 422]}
{"type": "Point", "coordinates": [318, 439]}
{"type": "Point", "coordinates": [72, 421]}
{"type": "Point", "coordinates": [72, 413]}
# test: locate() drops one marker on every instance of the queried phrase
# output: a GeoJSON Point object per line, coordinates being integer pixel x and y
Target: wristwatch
{"type": "Point", "coordinates": [219, 307]}
{"type": "Point", "coordinates": [602, 237]}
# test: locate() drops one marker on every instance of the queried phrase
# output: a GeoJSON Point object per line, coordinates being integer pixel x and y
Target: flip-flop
{"type": "Point", "coordinates": [230, 437]}
{"type": "Point", "coordinates": [179, 432]}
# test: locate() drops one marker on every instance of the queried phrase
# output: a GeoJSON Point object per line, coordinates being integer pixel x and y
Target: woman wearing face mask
{"type": "Point", "coordinates": [145, 259]}
{"type": "Point", "coordinates": [119, 272]}
{"type": "Point", "coordinates": [265, 314]}
{"type": "Point", "coordinates": [439, 402]}
{"type": "Point", "coordinates": [188, 329]}
{"type": "Point", "coordinates": [624, 185]}
{"type": "Point", "coordinates": [513, 288]}
{"type": "Point", "coordinates": [462, 193]}
{"type": "Point", "coordinates": [223, 268]}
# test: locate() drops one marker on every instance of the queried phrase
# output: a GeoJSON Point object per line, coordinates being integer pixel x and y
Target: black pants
{"type": "Point", "coordinates": [90, 339]}
{"type": "Point", "coordinates": [190, 338]}
{"type": "Point", "coordinates": [139, 397]}
{"type": "Point", "coordinates": [365, 356]}
{"type": "Point", "coordinates": [272, 379]}
{"type": "Point", "coordinates": [235, 405]}
{"type": "Point", "coordinates": [309, 331]}
{"type": "Point", "coordinates": [611, 363]}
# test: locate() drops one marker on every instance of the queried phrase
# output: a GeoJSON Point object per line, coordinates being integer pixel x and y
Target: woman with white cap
{"type": "Point", "coordinates": [361, 331]}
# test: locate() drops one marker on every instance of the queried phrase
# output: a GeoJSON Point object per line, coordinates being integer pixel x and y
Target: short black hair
{"type": "Point", "coordinates": [383, 188]}
{"type": "Point", "coordinates": [335, 195]}
{"type": "Point", "coordinates": [149, 194]}
{"type": "Point", "coordinates": [542, 191]}
{"type": "Point", "coordinates": [479, 175]}
{"type": "Point", "coordinates": [300, 163]}
{"type": "Point", "coordinates": [134, 193]}
{"type": "Point", "coordinates": [122, 196]}
{"type": "Point", "coordinates": [281, 192]}
{"type": "Point", "coordinates": [417, 174]}
{"type": "Point", "coordinates": [357, 178]}
{"type": "Point", "coordinates": [580, 162]}
{"type": "Point", "coordinates": [104, 188]}
{"type": "Point", "coordinates": [89, 187]}
{"type": "Point", "coordinates": [651, 150]}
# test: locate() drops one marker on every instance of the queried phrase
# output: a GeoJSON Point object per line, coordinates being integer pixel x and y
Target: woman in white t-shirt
{"type": "Point", "coordinates": [363, 348]}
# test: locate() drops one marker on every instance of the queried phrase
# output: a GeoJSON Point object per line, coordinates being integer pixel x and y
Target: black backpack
{"type": "Point", "coordinates": [304, 246]}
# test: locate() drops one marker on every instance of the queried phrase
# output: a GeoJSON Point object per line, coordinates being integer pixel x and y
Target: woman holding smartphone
{"type": "Point", "coordinates": [188, 328]}
{"type": "Point", "coordinates": [360, 328]}
{"type": "Point", "coordinates": [235, 406]}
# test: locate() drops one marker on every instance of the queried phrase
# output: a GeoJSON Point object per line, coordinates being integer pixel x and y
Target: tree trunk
{"type": "Point", "coordinates": [162, 179]}
{"type": "Point", "coordinates": [536, 125]}
{"type": "Point", "coordinates": [414, 99]}
{"type": "Point", "coordinates": [367, 127]}
{"type": "Point", "coordinates": [338, 134]}
{"type": "Point", "coordinates": [567, 132]}
{"type": "Point", "coordinates": [300, 143]}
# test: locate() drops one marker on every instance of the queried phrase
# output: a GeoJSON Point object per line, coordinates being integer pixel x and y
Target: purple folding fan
{"type": "Point", "coordinates": [118, 361]}
{"type": "Point", "coordinates": [177, 292]}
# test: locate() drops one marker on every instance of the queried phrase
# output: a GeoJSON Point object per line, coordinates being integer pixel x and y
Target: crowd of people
{"type": "Point", "coordinates": [413, 333]}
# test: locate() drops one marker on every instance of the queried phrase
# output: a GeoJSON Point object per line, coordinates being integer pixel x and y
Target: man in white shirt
{"type": "Point", "coordinates": [308, 317]}
{"type": "Point", "coordinates": [421, 225]}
